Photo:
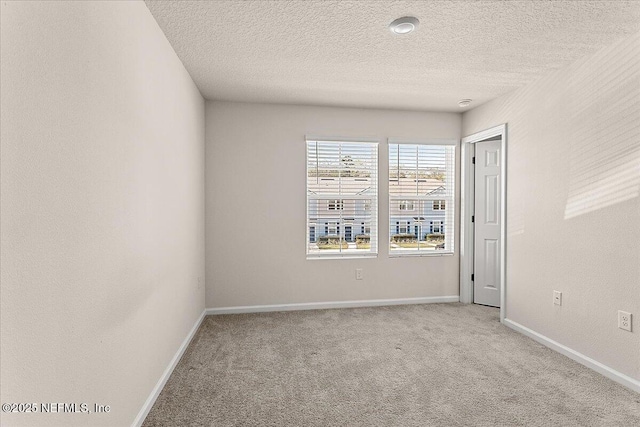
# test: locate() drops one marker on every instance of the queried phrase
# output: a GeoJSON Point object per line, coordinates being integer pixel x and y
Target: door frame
{"type": "Point", "coordinates": [467, 196]}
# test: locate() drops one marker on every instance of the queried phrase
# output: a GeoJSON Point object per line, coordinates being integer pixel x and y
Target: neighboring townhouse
{"type": "Point", "coordinates": [343, 217]}
{"type": "Point", "coordinates": [349, 218]}
{"type": "Point", "coordinates": [419, 217]}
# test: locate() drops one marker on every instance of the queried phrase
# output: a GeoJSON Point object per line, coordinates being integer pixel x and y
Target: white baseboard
{"type": "Point", "coordinates": [334, 304]}
{"type": "Point", "coordinates": [608, 372]}
{"type": "Point", "coordinates": [144, 411]}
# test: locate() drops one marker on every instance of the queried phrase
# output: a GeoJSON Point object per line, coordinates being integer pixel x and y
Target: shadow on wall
{"type": "Point", "coordinates": [605, 151]}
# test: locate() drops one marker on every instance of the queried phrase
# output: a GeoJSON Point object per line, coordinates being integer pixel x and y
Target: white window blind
{"type": "Point", "coordinates": [342, 198]}
{"type": "Point", "coordinates": [421, 176]}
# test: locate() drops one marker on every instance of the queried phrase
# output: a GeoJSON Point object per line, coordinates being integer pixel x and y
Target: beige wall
{"type": "Point", "coordinates": [102, 207]}
{"type": "Point", "coordinates": [255, 176]}
{"type": "Point", "coordinates": [573, 202]}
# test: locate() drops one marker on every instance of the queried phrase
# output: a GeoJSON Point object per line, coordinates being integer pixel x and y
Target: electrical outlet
{"type": "Point", "coordinates": [557, 297]}
{"type": "Point", "coordinates": [358, 274]}
{"type": "Point", "coordinates": [624, 320]}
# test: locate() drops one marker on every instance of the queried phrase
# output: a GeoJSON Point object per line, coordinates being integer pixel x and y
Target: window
{"type": "Point", "coordinates": [335, 205]}
{"type": "Point", "coordinates": [438, 205]}
{"type": "Point", "coordinates": [365, 229]}
{"type": "Point", "coordinates": [406, 205]}
{"type": "Point", "coordinates": [342, 198]}
{"type": "Point", "coordinates": [421, 186]}
{"type": "Point", "coordinates": [402, 227]}
{"type": "Point", "coordinates": [332, 229]}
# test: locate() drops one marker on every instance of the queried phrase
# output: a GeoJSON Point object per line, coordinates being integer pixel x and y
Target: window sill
{"type": "Point", "coordinates": [334, 257]}
{"type": "Point", "coordinates": [419, 254]}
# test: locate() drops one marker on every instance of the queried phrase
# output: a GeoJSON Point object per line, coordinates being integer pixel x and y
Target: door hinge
{"type": "Point", "coordinates": [473, 160]}
{"type": "Point", "coordinates": [473, 218]}
{"type": "Point", "coordinates": [472, 277]}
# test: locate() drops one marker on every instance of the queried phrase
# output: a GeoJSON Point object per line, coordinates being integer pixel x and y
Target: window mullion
{"type": "Point", "coordinates": [417, 162]}
{"type": "Point", "coordinates": [340, 201]}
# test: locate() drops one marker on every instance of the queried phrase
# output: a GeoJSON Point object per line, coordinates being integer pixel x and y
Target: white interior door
{"type": "Point", "coordinates": [486, 263]}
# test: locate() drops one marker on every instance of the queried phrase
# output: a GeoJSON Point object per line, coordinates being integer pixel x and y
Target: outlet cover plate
{"type": "Point", "coordinates": [624, 320]}
{"type": "Point", "coordinates": [557, 297]}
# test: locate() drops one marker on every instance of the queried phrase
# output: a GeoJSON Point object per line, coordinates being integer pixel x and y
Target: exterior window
{"type": "Point", "coordinates": [406, 205]}
{"type": "Point", "coordinates": [332, 229]}
{"type": "Point", "coordinates": [335, 205]}
{"type": "Point", "coordinates": [342, 196]}
{"type": "Point", "coordinates": [365, 228]}
{"type": "Point", "coordinates": [402, 227]}
{"type": "Point", "coordinates": [421, 187]}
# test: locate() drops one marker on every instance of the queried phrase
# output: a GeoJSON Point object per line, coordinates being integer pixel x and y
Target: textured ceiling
{"type": "Point", "coordinates": [341, 53]}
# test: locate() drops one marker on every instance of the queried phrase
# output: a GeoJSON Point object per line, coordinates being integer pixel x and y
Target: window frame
{"type": "Point", "coordinates": [441, 205]}
{"type": "Point", "coordinates": [450, 200]}
{"type": "Point", "coordinates": [338, 205]}
{"type": "Point", "coordinates": [370, 201]}
{"type": "Point", "coordinates": [406, 205]}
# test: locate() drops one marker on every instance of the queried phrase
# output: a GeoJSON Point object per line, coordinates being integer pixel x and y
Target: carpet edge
{"type": "Point", "coordinates": [590, 363]}
{"type": "Point", "coordinates": [330, 304]}
{"type": "Point", "coordinates": [151, 400]}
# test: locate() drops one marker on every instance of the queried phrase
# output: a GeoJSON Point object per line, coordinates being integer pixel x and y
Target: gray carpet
{"type": "Point", "coordinates": [419, 365]}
